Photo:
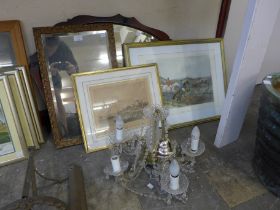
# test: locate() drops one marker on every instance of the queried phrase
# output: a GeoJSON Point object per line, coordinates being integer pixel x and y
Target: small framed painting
{"type": "Point", "coordinates": [192, 77]}
{"type": "Point", "coordinates": [102, 95]}
{"type": "Point", "coordinates": [12, 145]}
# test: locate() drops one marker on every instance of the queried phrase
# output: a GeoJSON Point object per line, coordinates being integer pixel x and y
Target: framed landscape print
{"type": "Point", "coordinates": [192, 76]}
{"type": "Point", "coordinates": [102, 95]}
{"type": "Point", "coordinates": [12, 146]}
{"type": "Point", "coordinates": [62, 51]}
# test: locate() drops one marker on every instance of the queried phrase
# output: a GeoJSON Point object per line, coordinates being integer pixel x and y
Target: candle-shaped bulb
{"type": "Point", "coordinates": [174, 168]}
{"type": "Point", "coordinates": [116, 166]}
{"type": "Point", "coordinates": [119, 129]}
{"type": "Point", "coordinates": [195, 133]}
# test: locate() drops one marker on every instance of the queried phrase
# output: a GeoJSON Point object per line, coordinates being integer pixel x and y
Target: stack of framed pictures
{"type": "Point", "coordinates": [20, 127]}
{"type": "Point", "coordinates": [12, 145]}
{"type": "Point", "coordinates": [192, 76]}
{"type": "Point", "coordinates": [188, 77]}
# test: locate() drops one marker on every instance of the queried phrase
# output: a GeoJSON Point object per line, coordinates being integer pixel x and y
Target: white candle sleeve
{"type": "Point", "coordinates": [194, 144]}
{"type": "Point", "coordinates": [119, 135]}
{"type": "Point", "coordinates": [115, 160]}
{"type": "Point", "coordinates": [174, 182]}
{"type": "Point", "coordinates": [195, 136]}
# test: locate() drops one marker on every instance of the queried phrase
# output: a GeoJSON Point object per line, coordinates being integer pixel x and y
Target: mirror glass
{"type": "Point", "coordinates": [124, 34]}
{"type": "Point", "coordinates": [7, 54]}
{"type": "Point", "coordinates": [6, 144]}
{"type": "Point", "coordinates": [66, 54]}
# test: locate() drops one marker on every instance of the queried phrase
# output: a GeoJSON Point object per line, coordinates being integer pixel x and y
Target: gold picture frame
{"type": "Point", "coordinates": [193, 76]}
{"type": "Point", "coordinates": [60, 117]}
{"type": "Point", "coordinates": [12, 145]}
{"type": "Point", "coordinates": [102, 95]}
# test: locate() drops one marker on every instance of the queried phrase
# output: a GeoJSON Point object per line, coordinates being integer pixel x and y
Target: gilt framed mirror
{"type": "Point", "coordinates": [62, 51]}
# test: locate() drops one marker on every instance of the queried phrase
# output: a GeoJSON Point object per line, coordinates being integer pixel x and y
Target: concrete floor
{"type": "Point", "coordinates": [223, 178]}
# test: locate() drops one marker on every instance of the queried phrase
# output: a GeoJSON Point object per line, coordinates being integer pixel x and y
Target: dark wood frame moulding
{"type": "Point", "coordinates": [116, 19]}
{"type": "Point", "coordinates": [223, 17]}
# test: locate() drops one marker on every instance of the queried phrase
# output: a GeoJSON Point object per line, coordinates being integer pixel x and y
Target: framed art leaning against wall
{"type": "Point", "coordinates": [31, 103]}
{"type": "Point", "coordinates": [24, 103]}
{"type": "Point", "coordinates": [192, 76]}
{"type": "Point", "coordinates": [12, 145]}
{"type": "Point", "coordinates": [102, 95]}
{"type": "Point", "coordinates": [21, 104]}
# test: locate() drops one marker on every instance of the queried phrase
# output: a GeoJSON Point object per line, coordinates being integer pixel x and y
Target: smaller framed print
{"type": "Point", "coordinates": [31, 103]}
{"type": "Point", "coordinates": [192, 77]}
{"type": "Point", "coordinates": [12, 145]}
{"type": "Point", "coordinates": [102, 95]}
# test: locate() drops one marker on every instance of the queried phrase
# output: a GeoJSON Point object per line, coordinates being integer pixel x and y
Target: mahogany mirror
{"type": "Point", "coordinates": [82, 44]}
{"type": "Point", "coordinates": [126, 30]}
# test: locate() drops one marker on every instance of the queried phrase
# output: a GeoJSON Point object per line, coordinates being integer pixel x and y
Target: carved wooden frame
{"type": "Point", "coordinates": [116, 19]}
{"type": "Point", "coordinates": [223, 17]}
{"type": "Point", "coordinates": [58, 140]}
{"type": "Point", "coordinates": [13, 26]}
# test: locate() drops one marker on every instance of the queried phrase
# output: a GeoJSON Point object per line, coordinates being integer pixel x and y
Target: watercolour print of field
{"type": "Point", "coordinates": [6, 145]}
{"type": "Point", "coordinates": [185, 80]}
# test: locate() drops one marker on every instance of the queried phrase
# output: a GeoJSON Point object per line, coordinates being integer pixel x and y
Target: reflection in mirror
{"type": "Point", "coordinates": [124, 34]}
{"type": "Point", "coordinates": [66, 54]}
{"type": "Point", "coordinates": [6, 144]}
{"type": "Point", "coordinates": [7, 54]}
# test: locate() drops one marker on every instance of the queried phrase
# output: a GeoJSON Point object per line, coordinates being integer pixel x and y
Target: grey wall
{"type": "Point", "coordinates": [232, 36]}
{"type": "Point", "coordinates": [272, 57]}
{"type": "Point", "coordinates": [181, 19]}
{"type": "Point", "coordinates": [233, 31]}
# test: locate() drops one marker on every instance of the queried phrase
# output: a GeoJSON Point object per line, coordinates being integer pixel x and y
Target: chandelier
{"type": "Point", "coordinates": [165, 163]}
